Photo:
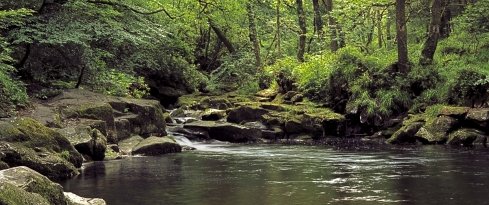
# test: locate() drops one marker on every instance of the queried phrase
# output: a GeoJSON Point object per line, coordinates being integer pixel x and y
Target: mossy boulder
{"type": "Point", "coordinates": [406, 133]}
{"type": "Point", "coordinates": [246, 114]}
{"type": "Point", "coordinates": [87, 141]}
{"type": "Point", "coordinates": [154, 146]}
{"type": "Point", "coordinates": [456, 112]}
{"type": "Point", "coordinates": [436, 132]}
{"type": "Point", "coordinates": [26, 142]}
{"type": "Point", "coordinates": [467, 137]}
{"type": "Point", "coordinates": [24, 182]}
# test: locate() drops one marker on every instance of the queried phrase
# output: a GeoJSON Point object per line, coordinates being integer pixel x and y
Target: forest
{"type": "Point", "coordinates": [92, 80]}
{"type": "Point", "coordinates": [378, 58]}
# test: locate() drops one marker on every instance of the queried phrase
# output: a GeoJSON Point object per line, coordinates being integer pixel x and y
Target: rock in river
{"type": "Point", "coordinates": [224, 131]}
{"type": "Point", "coordinates": [153, 146]}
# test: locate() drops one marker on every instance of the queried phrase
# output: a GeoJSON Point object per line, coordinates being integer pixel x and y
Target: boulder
{"type": "Point", "coordinates": [26, 142]}
{"type": "Point", "coordinates": [275, 133]}
{"type": "Point", "coordinates": [478, 117]}
{"type": "Point", "coordinates": [467, 137]}
{"type": "Point", "coordinates": [87, 141]}
{"type": "Point", "coordinates": [267, 93]}
{"type": "Point", "coordinates": [293, 127]}
{"type": "Point", "coordinates": [213, 115]}
{"type": "Point", "coordinates": [215, 103]}
{"type": "Point", "coordinates": [224, 131]}
{"type": "Point", "coordinates": [74, 199]}
{"type": "Point", "coordinates": [246, 114]}
{"type": "Point", "coordinates": [406, 133]}
{"type": "Point", "coordinates": [127, 145]}
{"type": "Point", "coordinates": [145, 116]}
{"type": "Point", "coordinates": [154, 146]}
{"type": "Point", "coordinates": [437, 131]}
{"type": "Point", "coordinates": [33, 187]}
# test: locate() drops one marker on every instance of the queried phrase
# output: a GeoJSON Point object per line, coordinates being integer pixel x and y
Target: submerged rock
{"type": "Point", "coordinates": [153, 146]}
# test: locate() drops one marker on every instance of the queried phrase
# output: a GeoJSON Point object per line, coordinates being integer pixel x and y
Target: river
{"type": "Point", "coordinates": [218, 174]}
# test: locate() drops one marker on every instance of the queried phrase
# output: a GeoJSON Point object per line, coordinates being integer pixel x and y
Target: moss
{"type": "Point", "coordinates": [12, 195]}
{"type": "Point", "coordinates": [10, 133]}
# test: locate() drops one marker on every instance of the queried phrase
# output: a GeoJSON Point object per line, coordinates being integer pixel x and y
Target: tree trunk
{"type": "Point", "coordinates": [318, 20]}
{"type": "Point", "coordinates": [401, 28]}
{"type": "Point", "coordinates": [221, 36]}
{"type": "Point", "coordinates": [303, 31]}
{"type": "Point", "coordinates": [429, 47]}
{"type": "Point", "coordinates": [380, 35]}
{"type": "Point", "coordinates": [279, 36]}
{"type": "Point", "coordinates": [253, 34]}
{"type": "Point", "coordinates": [333, 28]}
{"type": "Point", "coordinates": [388, 25]}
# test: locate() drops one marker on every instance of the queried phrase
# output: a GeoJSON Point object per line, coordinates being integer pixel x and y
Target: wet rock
{"type": "Point", "coordinates": [246, 114]}
{"type": "Point", "coordinates": [25, 182]}
{"type": "Point", "coordinates": [223, 131]}
{"type": "Point", "coordinates": [26, 142]}
{"type": "Point", "coordinates": [126, 145]}
{"type": "Point", "coordinates": [437, 131]}
{"type": "Point", "coordinates": [293, 127]}
{"type": "Point", "coordinates": [154, 146]}
{"type": "Point", "coordinates": [273, 134]}
{"type": "Point", "coordinates": [213, 115]}
{"type": "Point", "coordinates": [255, 125]}
{"type": "Point", "coordinates": [177, 113]}
{"type": "Point", "coordinates": [74, 199]}
{"type": "Point", "coordinates": [467, 137]}
{"type": "Point", "coordinates": [406, 133]}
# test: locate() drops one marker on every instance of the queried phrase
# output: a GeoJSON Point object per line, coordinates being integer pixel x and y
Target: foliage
{"type": "Point", "coordinates": [117, 83]}
{"type": "Point", "coordinates": [237, 72]}
{"type": "Point", "coordinates": [11, 88]}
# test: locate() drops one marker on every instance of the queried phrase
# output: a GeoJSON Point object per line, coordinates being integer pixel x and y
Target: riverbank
{"type": "Point", "coordinates": [54, 137]}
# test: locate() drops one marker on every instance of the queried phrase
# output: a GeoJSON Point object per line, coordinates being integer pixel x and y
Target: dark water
{"type": "Point", "coordinates": [271, 174]}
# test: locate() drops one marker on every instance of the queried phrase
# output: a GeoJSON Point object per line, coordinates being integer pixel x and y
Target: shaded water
{"type": "Point", "coordinates": [272, 174]}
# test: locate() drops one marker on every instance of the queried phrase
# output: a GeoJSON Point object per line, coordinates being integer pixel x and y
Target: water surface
{"type": "Point", "coordinates": [274, 174]}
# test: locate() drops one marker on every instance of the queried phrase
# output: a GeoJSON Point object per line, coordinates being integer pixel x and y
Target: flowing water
{"type": "Point", "coordinates": [218, 174]}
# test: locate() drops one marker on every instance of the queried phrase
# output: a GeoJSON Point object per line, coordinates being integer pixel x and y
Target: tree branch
{"type": "Point", "coordinates": [117, 4]}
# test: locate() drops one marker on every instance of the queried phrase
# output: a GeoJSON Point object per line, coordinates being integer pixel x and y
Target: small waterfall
{"type": "Point", "coordinates": [182, 140]}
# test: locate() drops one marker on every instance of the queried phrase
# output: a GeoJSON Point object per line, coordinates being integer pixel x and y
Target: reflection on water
{"type": "Point", "coordinates": [270, 174]}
